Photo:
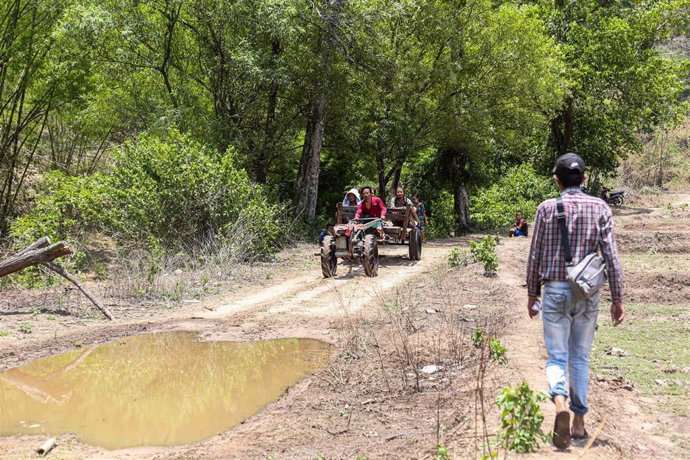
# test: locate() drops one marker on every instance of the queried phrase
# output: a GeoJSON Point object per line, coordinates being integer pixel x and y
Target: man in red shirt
{"type": "Point", "coordinates": [371, 206]}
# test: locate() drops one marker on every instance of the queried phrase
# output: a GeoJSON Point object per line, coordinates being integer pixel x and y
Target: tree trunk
{"type": "Point", "coordinates": [562, 130]}
{"type": "Point", "coordinates": [307, 186]}
{"type": "Point", "coordinates": [456, 163]}
{"type": "Point", "coordinates": [263, 159]}
{"type": "Point", "coordinates": [461, 204]}
{"type": "Point", "coordinates": [310, 162]}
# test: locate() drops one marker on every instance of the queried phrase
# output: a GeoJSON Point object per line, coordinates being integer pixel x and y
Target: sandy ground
{"type": "Point", "coordinates": [371, 401]}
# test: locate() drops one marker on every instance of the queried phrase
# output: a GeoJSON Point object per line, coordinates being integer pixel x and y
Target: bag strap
{"type": "Point", "coordinates": [565, 243]}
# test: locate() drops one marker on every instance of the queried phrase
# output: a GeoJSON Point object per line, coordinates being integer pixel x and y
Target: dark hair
{"type": "Point", "coordinates": [516, 212]}
{"type": "Point", "coordinates": [329, 225]}
{"type": "Point", "coordinates": [571, 178]}
{"type": "Point", "coordinates": [366, 187]}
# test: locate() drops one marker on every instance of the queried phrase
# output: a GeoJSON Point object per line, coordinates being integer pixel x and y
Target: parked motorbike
{"type": "Point", "coordinates": [613, 198]}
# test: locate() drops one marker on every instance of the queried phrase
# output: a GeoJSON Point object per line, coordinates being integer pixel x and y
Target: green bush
{"type": "Point", "coordinates": [497, 351]}
{"type": "Point", "coordinates": [521, 418]}
{"type": "Point", "coordinates": [457, 258]}
{"type": "Point", "coordinates": [170, 191]}
{"type": "Point", "coordinates": [478, 337]}
{"type": "Point", "coordinates": [442, 221]}
{"type": "Point", "coordinates": [520, 190]}
{"type": "Point", "coordinates": [483, 251]}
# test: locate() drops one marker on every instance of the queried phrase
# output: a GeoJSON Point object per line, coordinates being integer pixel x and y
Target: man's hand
{"type": "Point", "coordinates": [530, 303]}
{"type": "Point", "coordinates": [617, 313]}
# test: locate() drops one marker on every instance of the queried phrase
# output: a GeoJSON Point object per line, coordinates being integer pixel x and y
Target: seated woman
{"type": "Point", "coordinates": [371, 206]}
{"type": "Point", "coordinates": [351, 199]}
{"type": "Point", "coordinates": [400, 201]}
{"type": "Point", "coordinates": [519, 228]}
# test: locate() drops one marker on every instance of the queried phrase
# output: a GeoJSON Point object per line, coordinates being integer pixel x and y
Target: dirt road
{"type": "Point", "coordinates": [372, 401]}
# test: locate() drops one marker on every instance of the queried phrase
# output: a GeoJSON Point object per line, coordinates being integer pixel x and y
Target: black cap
{"type": "Point", "coordinates": [568, 164]}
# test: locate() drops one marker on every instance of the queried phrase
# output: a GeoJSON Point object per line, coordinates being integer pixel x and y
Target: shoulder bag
{"type": "Point", "coordinates": [588, 275]}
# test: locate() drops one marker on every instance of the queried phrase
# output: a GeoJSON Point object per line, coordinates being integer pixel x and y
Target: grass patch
{"type": "Point", "coordinates": [636, 263]}
{"type": "Point", "coordinates": [655, 338]}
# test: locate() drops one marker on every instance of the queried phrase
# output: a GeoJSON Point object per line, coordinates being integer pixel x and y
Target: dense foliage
{"type": "Point", "coordinates": [521, 189]}
{"type": "Point", "coordinates": [308, 99]}
{"type": "Point", "coordinates": [168, 191]}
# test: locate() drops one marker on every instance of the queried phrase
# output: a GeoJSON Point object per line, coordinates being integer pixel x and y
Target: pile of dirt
{"type": "Point", "coordinates": [659, 288]}
{"type": "Point", "coordinates": [654, 242]}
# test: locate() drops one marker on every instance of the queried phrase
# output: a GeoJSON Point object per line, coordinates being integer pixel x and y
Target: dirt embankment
{"type": "Point", "coordinates": [373, 399]}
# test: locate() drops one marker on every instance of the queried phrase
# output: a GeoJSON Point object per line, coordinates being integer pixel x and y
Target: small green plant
{"type": "Point", "coordinates": [442, 453]}
{"type": "Point", "coordinates": [521, 418]}
{"type": "Point", "coordinates": [478, 337]}
{"type": "Point", "coordinates": [457, 258]}
{"type": "Point", "coordinates": [25, 327]}
{"type": "Point", "coordinates": [483, 251]}
{"type": "Point", "coordinates": [497, 351]}
{"type": "Point", "coordinates": [4, 333]}
{"type": "Point", "coordinates": [652, 251]}
{"type": "Point", "coordinates": [35, 312]}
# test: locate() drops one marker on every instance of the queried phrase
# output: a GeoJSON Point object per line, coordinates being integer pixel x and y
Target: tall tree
{"type": "Point", "coordinates": [621, 84]}
{"type": "Point", "coordinates": [306, 190]}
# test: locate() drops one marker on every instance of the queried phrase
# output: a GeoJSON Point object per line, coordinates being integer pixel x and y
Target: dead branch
{"type": "Point", "coordinates": [62, 272]}
{"type": "Point", "coordinates": [42, 253]}
{"type": "Point", "coordinates": [33, 256]}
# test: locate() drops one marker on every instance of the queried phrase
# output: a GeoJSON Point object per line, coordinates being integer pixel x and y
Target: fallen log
{"type": "Point", "coordinates": [33, 256]}
{"type": "Point", "coordinates": [43, 253]}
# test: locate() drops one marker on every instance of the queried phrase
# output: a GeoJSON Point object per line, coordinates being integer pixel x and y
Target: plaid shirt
{"type": "Point", "coordinates": [590, 228]}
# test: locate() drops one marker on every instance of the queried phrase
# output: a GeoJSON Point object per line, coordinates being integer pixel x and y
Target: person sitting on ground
{"type": "Point", "coordinates": [329, 230]}
{"type": "Point", "coordinates": [421, 214]}
{"type": "Point", "coordinates": [371, 206]}
{"type": "Point", "coordinates": [519, 227]}
{"type": "Point", "coordinates": [400, 201]}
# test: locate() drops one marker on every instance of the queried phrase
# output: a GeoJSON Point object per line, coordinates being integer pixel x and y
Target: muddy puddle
{"type": "Point", "coordinates": [152, 390]}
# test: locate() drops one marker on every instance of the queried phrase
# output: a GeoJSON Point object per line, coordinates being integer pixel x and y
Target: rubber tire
{"type": "Point", "coordinates": [617, 201]}
{"type": "Point", "coordinates": [371, 256]}
{"type": "Point", "coordinates": [415, 238]}
{"type": "Point", "coordinates": [329, 262]}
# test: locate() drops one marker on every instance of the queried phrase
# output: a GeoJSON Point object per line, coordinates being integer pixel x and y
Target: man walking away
{"type": "Point", "coordinates": [569, 322]}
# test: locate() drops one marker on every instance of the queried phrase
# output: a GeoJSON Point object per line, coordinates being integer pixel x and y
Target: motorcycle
{"type": "Point", "coordinates": [613, 198]}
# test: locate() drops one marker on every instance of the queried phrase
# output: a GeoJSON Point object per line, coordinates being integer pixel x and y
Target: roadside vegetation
{"type": "Point", "coordinates": [192, 124]}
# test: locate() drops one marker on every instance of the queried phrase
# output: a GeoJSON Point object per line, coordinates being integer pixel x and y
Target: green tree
{"type": "Point", "coordinates": [619, 82]}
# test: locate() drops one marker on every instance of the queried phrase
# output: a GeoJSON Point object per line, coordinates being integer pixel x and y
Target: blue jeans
{"type": "Point", "coordinates": [569, 325]}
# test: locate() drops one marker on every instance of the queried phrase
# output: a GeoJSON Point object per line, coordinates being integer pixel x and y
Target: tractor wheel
{"type": "Point", "coordinates": [371, 256]}
{"type": "Point", "coordinates": [415, 238]}
{"type": "Point", "coordinates": [329, 262]}
{"type": "Point", "coordinates": [617, 200]}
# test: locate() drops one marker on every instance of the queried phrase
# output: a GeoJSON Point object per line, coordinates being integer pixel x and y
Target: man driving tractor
{"type": "Point", "coordinates": [371, 206]}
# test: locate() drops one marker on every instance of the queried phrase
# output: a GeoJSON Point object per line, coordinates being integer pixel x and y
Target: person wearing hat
{"type": "Point", "coordinates": [569, 322]}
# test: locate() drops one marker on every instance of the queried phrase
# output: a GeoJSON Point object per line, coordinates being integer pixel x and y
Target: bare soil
{"type": "Point", "coordinates": [373, 400]}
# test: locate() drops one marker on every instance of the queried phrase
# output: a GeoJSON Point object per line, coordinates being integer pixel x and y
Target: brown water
{"type": "Point", "coordinates": [152, 390]}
